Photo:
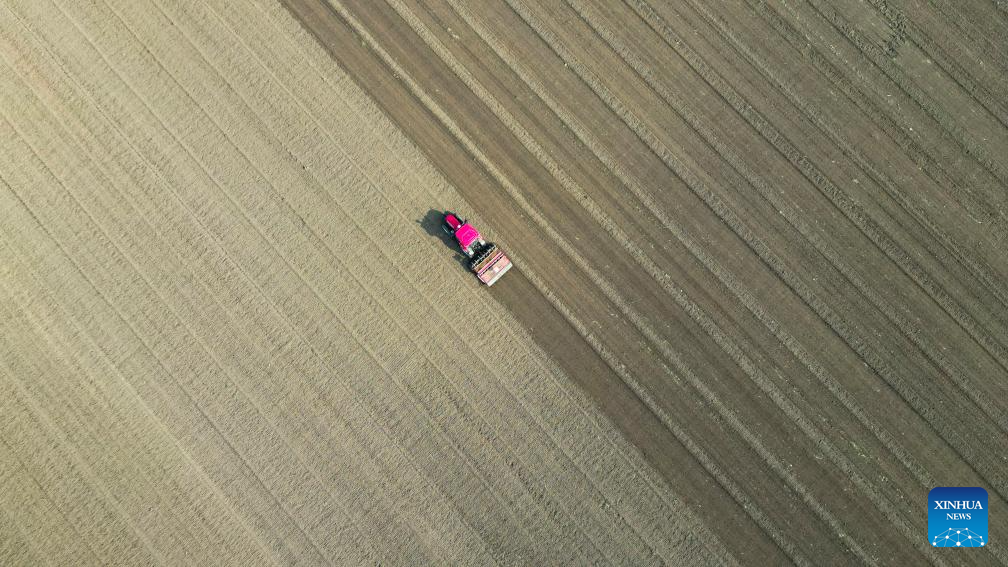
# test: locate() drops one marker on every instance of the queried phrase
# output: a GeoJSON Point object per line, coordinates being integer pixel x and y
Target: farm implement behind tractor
{"type": "Point", "coordinates": [486, 259]}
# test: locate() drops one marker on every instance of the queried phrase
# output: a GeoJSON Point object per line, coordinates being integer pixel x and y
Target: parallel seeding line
{"type": "Point", "coordinates": [895, 126]}
{"type": "Point", "coordinates": [690, 174]}
{"type": "Point", "coordinates": [19, 72]}
{"type": "Point", "coordinates": [78, 406]}
{"type": "Point", "coordinates": [948, 251]}
{"type": "Point", "coordinates": [110, 302]}
{"type": "Point", "coordinates": [76, 461]}
{"type": "Point", "coordinates": [871, 53]}
{"type": "Point", "coordinates": [40, 494]}
{"type": "Point", "coordinates": [901, 321]}
{"type": "Point", "coordinates": [638, 321]}
{"type": "Point", "coordinates": [844, 203]}
{"type": "Point", "coordinates": [117, 364]}
{"type": "Point", "coordinates": [12, 533]}
{"type": "Point", "coordinates": [699, 316]}
{"type": "Point", "coordinates": [121, 316]}
{"type": "Point", "coordinates": [708, 261]}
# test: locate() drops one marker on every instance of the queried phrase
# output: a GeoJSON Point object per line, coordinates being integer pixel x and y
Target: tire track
{"type": "Point", "coordinates": [895, 126]}
{"type": "Point", "coordinates": [925, 102]}
{"type": "Point", "coordinates": [723, 276]}
{"type": "Point", "coordinates": [845, 204]}
{"type": "Point", "coordinates": [900, 320]}
{"type": "Point", "coordinates": [948, 253]}
{"type": "Point", "coordinates": [702, 189]}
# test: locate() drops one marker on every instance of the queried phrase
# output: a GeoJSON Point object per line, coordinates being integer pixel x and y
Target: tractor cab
{"type": "Point", "coordinates": [486, 260]}
{"type": "Point", "coordinates": [465, 234]}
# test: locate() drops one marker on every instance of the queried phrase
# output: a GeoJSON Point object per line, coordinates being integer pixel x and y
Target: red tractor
{"type": "Point", "coordinates": [486, 260]}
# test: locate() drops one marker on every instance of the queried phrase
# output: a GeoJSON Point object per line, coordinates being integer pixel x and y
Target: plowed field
{"type": "Point", "coordinates": [759, 306]}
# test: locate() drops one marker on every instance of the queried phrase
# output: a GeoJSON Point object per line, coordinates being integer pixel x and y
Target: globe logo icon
{"type": "Point", "coordinates": [958, 537]}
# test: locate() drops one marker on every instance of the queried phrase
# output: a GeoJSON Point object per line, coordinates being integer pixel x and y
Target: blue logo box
{"type": "Point", "coordinates": [957, 516]}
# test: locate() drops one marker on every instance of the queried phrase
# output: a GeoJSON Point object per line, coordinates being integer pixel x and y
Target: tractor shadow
{"type": "Point", "coordinates": [431, 223]}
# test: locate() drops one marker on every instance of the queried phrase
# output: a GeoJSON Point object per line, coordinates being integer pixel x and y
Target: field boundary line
{"type": "Point", "coordinates": [527, 141]}
{"type": "Point", "coordinates": [488, 166]}
{"type": "Point", "coordinates": [546, 436]}
{"type": "Point", "coordinates": [599, 421]}
{"type": "Point", "coordinates": [375, 299]}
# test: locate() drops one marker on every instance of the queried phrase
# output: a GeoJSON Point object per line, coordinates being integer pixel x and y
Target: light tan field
{"type": "Point", "coordinates": [229, 338]}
